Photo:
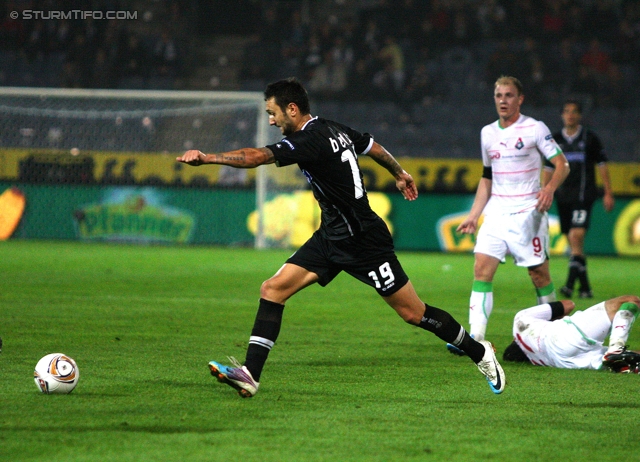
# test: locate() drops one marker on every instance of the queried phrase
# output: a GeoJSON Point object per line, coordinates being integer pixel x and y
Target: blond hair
{"type": "Point", "coordinates": [509, 80]}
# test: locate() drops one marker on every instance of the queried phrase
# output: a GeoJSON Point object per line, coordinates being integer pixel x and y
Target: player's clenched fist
{"type": "Point", "coordinates": [192, 157]}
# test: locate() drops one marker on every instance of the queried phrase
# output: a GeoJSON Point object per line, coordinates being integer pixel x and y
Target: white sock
{"type": "Point", "coordinates": [480, 307]}
{"type": "Point", "coordinates": [546, 294]}
{"type": "Point", "coordinates": [621, 326]}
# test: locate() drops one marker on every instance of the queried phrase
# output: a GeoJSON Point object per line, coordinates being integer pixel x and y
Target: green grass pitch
{"type": "Point", "coordinates": [347, 380]}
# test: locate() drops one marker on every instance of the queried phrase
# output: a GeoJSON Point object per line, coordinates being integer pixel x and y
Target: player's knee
{"type": "Point", "coordinates": [268, 290]}
{"type": "Point", "coordinates": [483, 271]}
{"type": "Point", "coordinates": [408, 315]}
{"type": "Point", "coordinates": [540, 275]}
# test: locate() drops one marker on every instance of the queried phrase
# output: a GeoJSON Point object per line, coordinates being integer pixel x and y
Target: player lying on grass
{"type": "Point", "coordinates": [546, 335]}
{"type": "Point", "coordinates": [351, 237]}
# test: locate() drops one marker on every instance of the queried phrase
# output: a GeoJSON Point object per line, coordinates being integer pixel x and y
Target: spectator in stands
{"type": "Point", "coordinates": [60, 36]}
{"type": "Point", "coordinates": [526, 14]}
{"type": "Point", "coordinates": [342, 52]}
{"type": "Point", "coordinates": [585, 85]}
{"type": "Point", "coordinates": [77, 66]}
{"type": "Point", "coordinates": [312, 57]}
{"type": "Point", "coordinates": [492, 18]}
{"type": "Point", "coordinates": [503, 61]}
{"type": "Point", "coordinates": [552, 21]}
{"type": "Point", "coordinates": [438, 22]}
{"type": "Point", "coordinates": [533, 72]}
{"type": "Point", "coordinates": [562, 69]}
{"type": "Point", "coordinates": [419, 89]}
{"type": "Point", "coordinates": [463, 28]}
{"type": "Point", "coordinates": [575, 21]}
{"type": "Point", "coordinates": [602, 20]}
{"type": "Point", "coordinates": [359, 82]}
{"type": "Point", "coordinates": [404, 16]}
{"type": "Point", "coordinates": [330, 77]}
{"type": "Point", "coordinates": [627, 41]}
{"type": "Point", "coordinates": [391, 76]}
{"type": "Point", "coordinates": [133, 63]}
{"type": "Point", "coordinates": [165, 55]}
{"type": "Point", "coordinates": [597, 60]}
{"type": "Point", "coordinates": [102, 70]}
{"type": "Point", "coordinates": [297, 32]}
{"type": "Point", "coordinates": [371, 41]}
{"type": "Point", "coordinates": [35, 45]}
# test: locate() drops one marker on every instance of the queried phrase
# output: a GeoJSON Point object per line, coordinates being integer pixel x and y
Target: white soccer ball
{"type": "Point", "coordinates": [56, 373]}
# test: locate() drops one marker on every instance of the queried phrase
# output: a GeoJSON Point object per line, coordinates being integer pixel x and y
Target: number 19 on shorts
{"type": "Point", "coordinates": [384, 274]}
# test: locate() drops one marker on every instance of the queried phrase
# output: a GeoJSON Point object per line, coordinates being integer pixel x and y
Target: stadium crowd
{"type": "Point", "coordinates": [404, 51]}
{"type": "Point", "coordinates": [409, 50]}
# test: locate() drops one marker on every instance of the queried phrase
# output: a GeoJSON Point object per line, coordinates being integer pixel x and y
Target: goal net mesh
{"type": "Point", "coordinates": [103, 139]}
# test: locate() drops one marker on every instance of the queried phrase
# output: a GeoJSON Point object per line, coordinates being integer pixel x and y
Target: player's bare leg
{"type": "Point", "coordinates": [541, 278]}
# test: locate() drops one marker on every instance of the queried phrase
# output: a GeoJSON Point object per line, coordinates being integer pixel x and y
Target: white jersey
{"type": "Point", "coordinates": [514, 155]}
{"type": "Point", "coordinates": [573, 342]}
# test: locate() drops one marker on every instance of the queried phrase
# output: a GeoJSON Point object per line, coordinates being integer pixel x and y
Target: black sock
{"type": "Point", "coordinates": [264, 334]}
{"type": "Point", "coordinates": [574, 268]}
{"type": "Point", "coordinates": [582, 273]}
{"type": "Point", "coordinates": [445, 327]}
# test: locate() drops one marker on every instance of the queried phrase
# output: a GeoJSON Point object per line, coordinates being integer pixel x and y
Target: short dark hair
{"type": "Point", "coordinates": [514, 353]}
{"type": "Point", "coordinates": [574, 101]}
{"type": "Point", "coordinates": [288, 91]}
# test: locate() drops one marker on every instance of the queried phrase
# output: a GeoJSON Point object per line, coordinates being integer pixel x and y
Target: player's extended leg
{"type": "Point", "coordinates": [541, 278]}
{"type": "Point", "coordinates": [273, 294]}
{"type": "Point", "coordinates": [413, 310]}
{"type": "Point", "coordinates": [622, 311]}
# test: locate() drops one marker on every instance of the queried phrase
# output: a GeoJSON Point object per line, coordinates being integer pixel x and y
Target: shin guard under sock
{"type": "Point", "coordinates": [263, 336]}
{"type": "Point", "coordinates": [446, 328]}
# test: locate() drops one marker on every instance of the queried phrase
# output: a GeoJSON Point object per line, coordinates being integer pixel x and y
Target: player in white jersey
{"type": "Point", "coordinates": [546, 335]}
{"type": "Point", "coordinates": [513, 202]}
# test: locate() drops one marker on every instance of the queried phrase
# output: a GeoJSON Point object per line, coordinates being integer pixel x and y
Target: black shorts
{"type": "Point", "coordinates": [574, 215]}
{"type": "Point", "coordinates": [368, 257]}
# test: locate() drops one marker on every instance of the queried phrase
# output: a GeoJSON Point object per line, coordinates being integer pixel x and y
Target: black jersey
{"type": "Point", "coordinates": [326, 152]}
{"type": "Point", "coordinates": [583, 152]}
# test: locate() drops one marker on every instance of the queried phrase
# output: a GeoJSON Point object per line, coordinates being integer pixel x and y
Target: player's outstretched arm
{"type": "Point", "coordinates": [483, 194]}
{"type": "Point", "coordinates": [240, 158]}
{"type": "Point", "coordinates": [404, 181]}
{"type": "Point", "coordinates": [560, 173]}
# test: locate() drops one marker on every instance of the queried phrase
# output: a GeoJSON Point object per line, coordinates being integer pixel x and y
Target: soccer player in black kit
{"type": "Point", "coordinates": [351, 237]}
{"type": "Point", "coordinates": [576, 196]}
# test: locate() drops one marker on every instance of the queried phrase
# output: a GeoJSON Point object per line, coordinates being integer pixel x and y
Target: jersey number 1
{"type": "Point", "coordinates": [348, 156]}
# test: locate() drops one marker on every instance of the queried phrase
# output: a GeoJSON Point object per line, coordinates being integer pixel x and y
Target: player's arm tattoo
{"type": "Point", "coordinates": [244, 158]}
{"type": "Point", "coordinates": [385, 159]}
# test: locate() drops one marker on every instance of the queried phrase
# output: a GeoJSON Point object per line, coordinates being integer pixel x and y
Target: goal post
{"type": "Point", "coordinates": [129, 138]}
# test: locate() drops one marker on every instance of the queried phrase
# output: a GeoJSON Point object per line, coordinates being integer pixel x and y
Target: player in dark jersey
{"type": "Point", "coordinates": [351, 237]}
{"type": "Point", "coordinates": [575, 197]}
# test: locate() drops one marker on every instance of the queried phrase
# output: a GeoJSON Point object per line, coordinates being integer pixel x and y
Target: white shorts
{"type": "Point", "coordinates": [573, 342]}
{"type": "Point", "coordinates": [524, 235]}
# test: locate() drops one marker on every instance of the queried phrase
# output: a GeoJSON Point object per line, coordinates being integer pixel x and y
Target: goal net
{"type": "Point", "coordinates": [100, 165]}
